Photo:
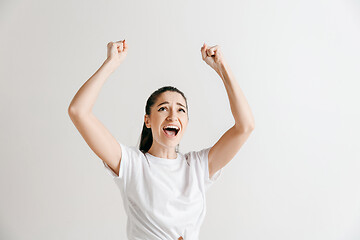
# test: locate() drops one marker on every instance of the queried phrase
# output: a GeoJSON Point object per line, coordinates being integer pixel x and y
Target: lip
{"type": "Point", "coordinates": [172, 125]}
{"type": "Point", "coordinates": [168, 135]}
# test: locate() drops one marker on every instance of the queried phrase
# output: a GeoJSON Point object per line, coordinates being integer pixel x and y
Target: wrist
{"type": "Point", "coordinates": [221, 68]}
{"type": "Point", "coordinates": [110, 65]}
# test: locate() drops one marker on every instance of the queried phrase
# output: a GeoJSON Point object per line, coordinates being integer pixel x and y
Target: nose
{"type": "Point", "coordinates": [171, 116]}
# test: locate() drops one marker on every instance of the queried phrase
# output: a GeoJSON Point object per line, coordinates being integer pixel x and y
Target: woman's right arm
{"type": "Point", "coordinates": [96, 135]}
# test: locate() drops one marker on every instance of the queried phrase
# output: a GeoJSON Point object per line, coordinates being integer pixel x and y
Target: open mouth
{"type": "Point", "coordinates": [170, 132]}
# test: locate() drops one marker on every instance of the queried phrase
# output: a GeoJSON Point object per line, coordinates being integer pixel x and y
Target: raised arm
{"type": "Point", "coordinates": [85, 98]}
{"type": "Point", "coordinates": [96, 135]}
{"type": "Point", "coordinates": [231, 141]}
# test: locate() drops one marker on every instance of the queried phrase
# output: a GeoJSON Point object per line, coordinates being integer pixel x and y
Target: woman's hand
{"type": "Point", "coordinates": [212, 56]}
{"type": "Point", "coordinates": [116, 52]}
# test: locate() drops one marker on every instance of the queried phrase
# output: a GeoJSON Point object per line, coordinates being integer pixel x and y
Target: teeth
{"type": "Point", "coordinates": [175, 127]}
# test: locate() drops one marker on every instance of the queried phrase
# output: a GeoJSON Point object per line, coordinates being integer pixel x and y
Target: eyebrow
{"type": "Point", "coordinates": [168, 103]}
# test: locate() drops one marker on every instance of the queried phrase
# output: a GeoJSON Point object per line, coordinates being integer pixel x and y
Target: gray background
{"type": "Point", "coordinates": [297, 176]}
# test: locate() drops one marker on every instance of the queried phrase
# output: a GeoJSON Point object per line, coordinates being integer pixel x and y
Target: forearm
{"type": "Point", "coordinates": [86, 96]}
{"type": "Point", "coordinates": [244, 120]}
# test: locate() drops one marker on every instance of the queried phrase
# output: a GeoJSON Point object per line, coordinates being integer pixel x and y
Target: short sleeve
{"type": "Point", "coordinates": [122, 164]}
{"type": "Point", "coordinates": [128, 166]}
{"type": "Point", "coordinates": [204, 162]}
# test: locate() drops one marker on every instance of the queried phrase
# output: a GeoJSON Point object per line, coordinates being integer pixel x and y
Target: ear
{"type": "Point", "coordinates": [147, 121]}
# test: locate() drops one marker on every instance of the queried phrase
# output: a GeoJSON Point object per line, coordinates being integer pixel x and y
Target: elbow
{"type": "Point", "coordinates": [71, 111]}
{"type": "Point", "coordinates": [251, 126]}
{"type": "Point", "coordinates": [245, 127]}
{"type": "Point", "coordinates": [75, 112]}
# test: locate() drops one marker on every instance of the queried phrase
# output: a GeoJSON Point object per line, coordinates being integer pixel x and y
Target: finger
{"type": "Point", "coordinates": [208, 51]}
{"type": "Point", "coordinates": [125, 45]}
{"type": "Point", "coordinates": [212, 50]}
{"type": "Point", "coordinates": [203, 51]}
{"type": "Point", "coordinates": [113, 45]}
{"type": "Point", "coordinates": [119, 45]}
{"type": "Point", "coordinates": [110, 45]}
{"type": "Point", "coordinates": [120, 42]}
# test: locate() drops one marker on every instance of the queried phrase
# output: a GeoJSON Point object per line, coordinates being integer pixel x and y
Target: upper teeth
{"type": "Point", "coordinates": [172, 127]}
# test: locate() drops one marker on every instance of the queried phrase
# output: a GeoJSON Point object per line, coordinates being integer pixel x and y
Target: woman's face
{"type": "Point", "coordinates": [169, 109]}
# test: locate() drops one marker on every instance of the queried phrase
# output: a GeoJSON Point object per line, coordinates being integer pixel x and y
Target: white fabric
{"type": "Point", "coordinates": [163, 198]}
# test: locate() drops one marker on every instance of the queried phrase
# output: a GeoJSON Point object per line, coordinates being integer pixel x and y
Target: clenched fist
{"type": "Point", "coordinates": [212, 56]}
{"type": "Point", "coordinates": [116, 52]}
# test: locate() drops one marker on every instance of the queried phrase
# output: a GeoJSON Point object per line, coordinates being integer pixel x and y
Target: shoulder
{"type": "Point", "coordinates": [198, 155]}
{"type": "Point", "coordinates": [129, 148]}
{"type": "Point", "coordinates": [130, 152]}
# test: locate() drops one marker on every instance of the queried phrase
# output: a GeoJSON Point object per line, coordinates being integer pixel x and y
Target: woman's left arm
{"type": "Point", "coordinates": [244, 119]}
{"type": "Point", "coordinates": [231, 141]}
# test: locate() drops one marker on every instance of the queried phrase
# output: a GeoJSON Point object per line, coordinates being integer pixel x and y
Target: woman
{"type": "Point", "coordinates": [163, 190]}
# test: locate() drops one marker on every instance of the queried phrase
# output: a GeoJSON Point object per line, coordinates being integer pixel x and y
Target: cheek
{"type": "Point", "coordinates": [185, 122]}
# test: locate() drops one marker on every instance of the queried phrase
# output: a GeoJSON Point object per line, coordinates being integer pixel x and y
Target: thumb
{"type": "Point", "coordinates": [210, 52]}
{"type": "Point", "coordinates": [203, 51]}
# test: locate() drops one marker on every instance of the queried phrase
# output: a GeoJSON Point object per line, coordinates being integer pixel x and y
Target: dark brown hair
{"type": "Point", "coordinates": [146, 139]}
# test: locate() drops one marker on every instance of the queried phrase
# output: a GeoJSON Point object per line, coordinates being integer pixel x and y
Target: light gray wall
{"type": "Point", "coordinates": [297, 176]}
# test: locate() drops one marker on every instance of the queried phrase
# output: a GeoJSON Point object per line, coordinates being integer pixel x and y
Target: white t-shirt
{"type": "Point", "coordinates": [163, 198]}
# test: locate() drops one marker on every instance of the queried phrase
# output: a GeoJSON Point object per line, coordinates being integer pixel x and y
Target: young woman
{"type": "Point", "coordinates": [163, 190]}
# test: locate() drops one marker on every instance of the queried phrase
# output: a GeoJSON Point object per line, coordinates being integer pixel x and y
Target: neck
{"type": "Point", "coordinates": [163, 152]}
